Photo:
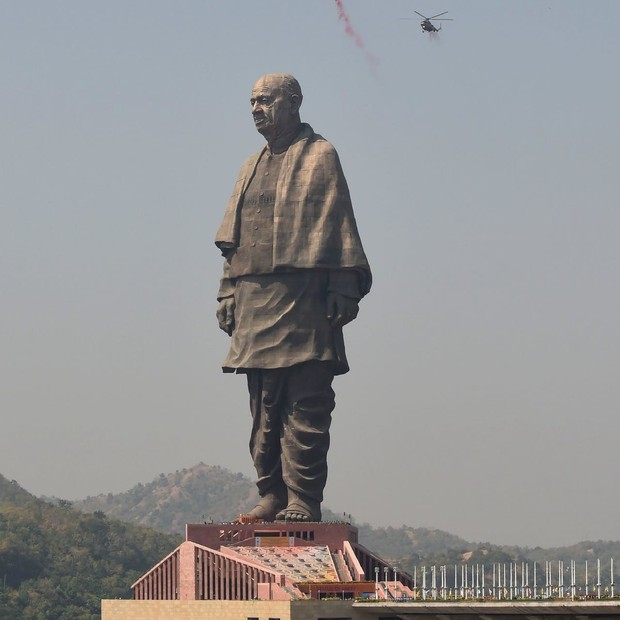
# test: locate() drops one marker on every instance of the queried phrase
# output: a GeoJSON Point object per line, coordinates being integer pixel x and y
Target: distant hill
{"type": "Point", "coordinates": [58, 563]}
{"type": "Point", "coordinates": [201, 493]}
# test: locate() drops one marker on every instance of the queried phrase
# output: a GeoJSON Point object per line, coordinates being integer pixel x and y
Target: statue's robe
{"type": "Point", "coordinates": [289, 237]}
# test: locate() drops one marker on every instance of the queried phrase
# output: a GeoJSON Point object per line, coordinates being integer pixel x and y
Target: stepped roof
{"type": "Point", "coordinates": [300, 564]}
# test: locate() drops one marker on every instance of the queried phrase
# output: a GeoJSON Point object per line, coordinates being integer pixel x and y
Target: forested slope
{"type": "Point", "coordinates": [58, 563]}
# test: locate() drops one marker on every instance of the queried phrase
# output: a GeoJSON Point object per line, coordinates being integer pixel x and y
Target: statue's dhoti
{"type": "Point", "coordinates": [291, 411]}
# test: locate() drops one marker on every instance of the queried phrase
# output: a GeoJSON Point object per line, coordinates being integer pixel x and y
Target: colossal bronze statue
{"type": "Point", "coordinates": [294, 272]}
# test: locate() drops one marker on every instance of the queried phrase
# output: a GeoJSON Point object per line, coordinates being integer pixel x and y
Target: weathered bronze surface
{"type": "Point", "coordinates": [294, 273]}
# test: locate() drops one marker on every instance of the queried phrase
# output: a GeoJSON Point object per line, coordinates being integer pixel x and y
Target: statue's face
{"type": "Point", "coordinates": [274, 111]}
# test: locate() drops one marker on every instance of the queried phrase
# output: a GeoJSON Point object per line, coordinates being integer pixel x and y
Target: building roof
{"type": "Point", "coordinates": [300, 564]}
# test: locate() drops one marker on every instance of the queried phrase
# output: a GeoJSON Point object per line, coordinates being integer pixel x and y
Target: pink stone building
{"type": "Point", "coordinates": [272, 561]}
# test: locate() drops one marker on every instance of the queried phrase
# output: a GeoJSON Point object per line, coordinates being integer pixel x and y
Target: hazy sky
{"type": "Point", "coordinates": [484, 168]}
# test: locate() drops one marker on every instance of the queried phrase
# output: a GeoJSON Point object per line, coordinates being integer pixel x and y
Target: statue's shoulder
{"type": "Point", "coordinates": [319, 146]}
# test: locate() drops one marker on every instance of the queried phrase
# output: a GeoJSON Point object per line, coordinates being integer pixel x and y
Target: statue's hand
{"type": "Point", "coordinates": [340, 309]}
{"type": "Point", "coordinates": [226, 315]}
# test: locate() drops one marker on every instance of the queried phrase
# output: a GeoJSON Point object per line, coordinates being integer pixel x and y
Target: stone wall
{"type": "Point", "coordinates": [194, 610]}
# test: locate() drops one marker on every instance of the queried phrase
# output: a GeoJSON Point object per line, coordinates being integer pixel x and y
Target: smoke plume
{"type": "Point", "coordinates": [348, 28]}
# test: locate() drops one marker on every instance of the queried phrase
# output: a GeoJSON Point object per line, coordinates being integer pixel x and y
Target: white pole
{"type": "Point", "coordinates": [598, 578]}
{"type": "Point", "coordinates": [527, 581]}
{"type": "Point", "coordinates": [456, 582]}
{"type": "Point", "coordinates": [587, 587]}
{"type": "Point", "coordinates": [442, 581]}
{"type": "Point", "coordinates": [463, 581]}
{"type": "Point", "coordinates": [612, 577]}
{"type": "Point", "coordinates": [442, 578]}
{"type": "Point", "coordinates": [499, 581]}
{"type": "Point", "coordinates": [516, 588]}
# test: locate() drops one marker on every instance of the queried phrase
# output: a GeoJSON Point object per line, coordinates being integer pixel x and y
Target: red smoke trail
{"type": "Point", "coordinates": [348, 27]}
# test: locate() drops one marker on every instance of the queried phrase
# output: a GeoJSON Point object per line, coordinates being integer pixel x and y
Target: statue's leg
{"type": "Point", "coordinates": [265, 388]}
{"type": "Point", "coordinates": [309, 402]}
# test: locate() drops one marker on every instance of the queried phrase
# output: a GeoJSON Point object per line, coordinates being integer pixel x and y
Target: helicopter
{"type": "Point", "coordinates": [428, 26]}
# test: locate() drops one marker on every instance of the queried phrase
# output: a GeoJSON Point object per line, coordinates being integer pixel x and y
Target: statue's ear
{"type": "Point", "coordinates": [295, 104]}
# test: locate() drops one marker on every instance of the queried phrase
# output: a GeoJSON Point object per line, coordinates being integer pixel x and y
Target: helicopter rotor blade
{"type": "Point", "coordinates": [438, 14]}
{"type": "Point", "coordinates": [424, 16]}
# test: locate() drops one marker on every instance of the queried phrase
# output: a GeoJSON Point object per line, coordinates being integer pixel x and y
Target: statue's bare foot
{"type": "Point", "coordinates": [300, 509]}
{"type": "Point", "coordinates": [266, 508]}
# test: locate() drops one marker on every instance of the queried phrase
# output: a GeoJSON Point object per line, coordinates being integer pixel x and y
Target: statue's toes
{"type": "Point", "coordinates": [297, 511]}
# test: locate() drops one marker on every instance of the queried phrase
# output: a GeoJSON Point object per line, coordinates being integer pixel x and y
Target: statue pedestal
{"type": "Point", "coordinates": [282, 534]}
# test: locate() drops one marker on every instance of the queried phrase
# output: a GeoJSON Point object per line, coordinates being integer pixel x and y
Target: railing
{"type": "Point", "coordinates": [515, 581]}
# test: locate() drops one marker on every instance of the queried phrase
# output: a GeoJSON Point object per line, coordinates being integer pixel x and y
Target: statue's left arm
{"type": "Point", "coordinates": [343, 296]}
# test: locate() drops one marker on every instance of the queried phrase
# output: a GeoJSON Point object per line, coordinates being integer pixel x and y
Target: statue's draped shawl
{"type": "Point", "coordinates": [314, 225]}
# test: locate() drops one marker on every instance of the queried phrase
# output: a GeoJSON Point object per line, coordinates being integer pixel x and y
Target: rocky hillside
{"type": "Point", "coordinates": [201, 493]}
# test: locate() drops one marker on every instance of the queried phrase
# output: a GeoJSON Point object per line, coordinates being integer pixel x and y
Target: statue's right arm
{"type": "Point", "coordinates": [226, 309]}
{"type": "Point", "coordinates": [226, 315]}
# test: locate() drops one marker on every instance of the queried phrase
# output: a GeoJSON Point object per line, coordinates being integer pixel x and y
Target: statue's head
{"type": "Point", "coordinates": [276, 99]}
